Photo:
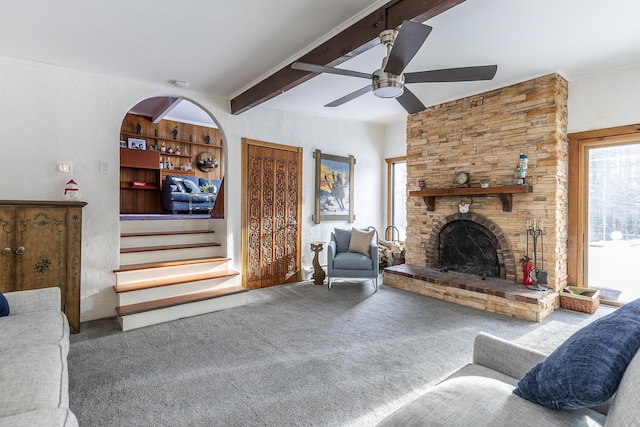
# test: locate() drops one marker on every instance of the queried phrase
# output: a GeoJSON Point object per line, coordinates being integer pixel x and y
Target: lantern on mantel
{"type": "Point", "coordinates": [71, 191]}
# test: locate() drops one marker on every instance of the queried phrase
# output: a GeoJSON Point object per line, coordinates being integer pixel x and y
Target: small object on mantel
{"type": "Point", "coordinates": [71, 191]}
{"type": "Point", "coordinates": [462, 178]}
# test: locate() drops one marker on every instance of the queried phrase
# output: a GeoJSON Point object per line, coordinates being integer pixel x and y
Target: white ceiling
{"type": "Point", "coordinates": [222, 47]}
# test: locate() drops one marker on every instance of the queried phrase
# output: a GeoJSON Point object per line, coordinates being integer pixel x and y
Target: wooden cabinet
{"type": "Point", "coordinates": [41, 247]}
{"type": "Point", "coordinates": [144, 165]}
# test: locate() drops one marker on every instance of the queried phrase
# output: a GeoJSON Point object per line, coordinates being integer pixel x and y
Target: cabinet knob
{"type": "Point", "coordinates": [7, 251]}
{"type": "Point", "coordinates": [20, 250]}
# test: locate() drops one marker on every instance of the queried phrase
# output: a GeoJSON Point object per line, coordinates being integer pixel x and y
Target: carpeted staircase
{"type": "Point", "coordinates": [171, 269]}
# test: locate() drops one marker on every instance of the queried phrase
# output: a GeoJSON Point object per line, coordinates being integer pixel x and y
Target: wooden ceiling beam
{"type": "Point", "coordinates": [358, 38]}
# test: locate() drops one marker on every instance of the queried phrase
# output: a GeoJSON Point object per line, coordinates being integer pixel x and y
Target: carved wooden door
{"type": "Point", "coordinates": [271, 214]}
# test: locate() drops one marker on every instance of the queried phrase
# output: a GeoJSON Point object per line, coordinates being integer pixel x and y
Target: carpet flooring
{"type": "Point", "coordinates": [294, 355]}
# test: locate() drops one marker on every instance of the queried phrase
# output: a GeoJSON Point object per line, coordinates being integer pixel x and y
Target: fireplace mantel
{"type": "Point", "coordinates": [505, 192]}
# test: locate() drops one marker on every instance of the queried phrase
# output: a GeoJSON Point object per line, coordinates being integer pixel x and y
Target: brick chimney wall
{"type": "Point", "coordinates": [484, 135]}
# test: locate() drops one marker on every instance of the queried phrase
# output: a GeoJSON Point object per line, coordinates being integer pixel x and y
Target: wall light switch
{"type": "Point", "coordinates": [104, 167]}
{"type": "Point", "coordinates": [64, 167]}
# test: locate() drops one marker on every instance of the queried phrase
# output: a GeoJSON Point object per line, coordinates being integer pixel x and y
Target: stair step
{"type": "Point", "coordinates": [178, 300]}
{"type": "Point", "coordinates": [165, 233]}
{"type": "Point", "coordinates": [166, 281]}
{"type": "Point", "coordinates": [168, 247]}
{"type": "Point", "coordinates": [152, 265]}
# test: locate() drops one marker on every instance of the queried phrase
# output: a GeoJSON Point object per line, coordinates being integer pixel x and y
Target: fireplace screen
{"type": "Point", "coordinates": [468, 247]}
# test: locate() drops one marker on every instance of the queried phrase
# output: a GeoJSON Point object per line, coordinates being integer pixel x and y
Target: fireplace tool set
{"type": "Point", "coordinates": [534, 276]}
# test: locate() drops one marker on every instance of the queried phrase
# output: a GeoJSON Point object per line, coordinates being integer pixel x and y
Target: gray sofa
{"type": "Point", "coordinates": [34, 373]}
{"type": "Point", "coordinates": [481, 394]}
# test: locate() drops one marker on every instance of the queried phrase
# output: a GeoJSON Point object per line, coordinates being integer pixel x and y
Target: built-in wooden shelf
{"type": "Point", "coordinates": [171, 140]}
{"type": "Point", "coordinates": [505, 192]}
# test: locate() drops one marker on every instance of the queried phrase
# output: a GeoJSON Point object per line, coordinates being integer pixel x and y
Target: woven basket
{"type": "Point", "coordinates": [577, 302]}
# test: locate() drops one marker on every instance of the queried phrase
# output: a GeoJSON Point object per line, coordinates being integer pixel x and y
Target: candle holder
{"type": "Point", "coordinates": [538, 276]}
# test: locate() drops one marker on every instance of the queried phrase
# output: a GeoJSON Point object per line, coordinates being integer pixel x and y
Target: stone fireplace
{"type": "Point", "coordinates": [484, 135]}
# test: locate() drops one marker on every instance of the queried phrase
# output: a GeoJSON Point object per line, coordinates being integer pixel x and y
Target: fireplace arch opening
{"type": "Point", "coordinates": [468, 247]}
{"type": "Point", "coordinates": [471, 244]}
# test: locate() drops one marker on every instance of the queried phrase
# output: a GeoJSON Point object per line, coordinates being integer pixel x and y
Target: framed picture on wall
{"type": "Point", "coordinates": [137, 144]}
{"type": "Point", "coordinates": [334, 188]}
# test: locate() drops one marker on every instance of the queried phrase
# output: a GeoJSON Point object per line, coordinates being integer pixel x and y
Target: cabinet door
{"type": "Point", "coordinates": [7, 248]}
{"type": "Point", "coordinates": [41, 248]}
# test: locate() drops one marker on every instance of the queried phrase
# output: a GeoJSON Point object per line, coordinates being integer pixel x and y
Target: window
{"type": "Point", "coordinates": [397, 198]}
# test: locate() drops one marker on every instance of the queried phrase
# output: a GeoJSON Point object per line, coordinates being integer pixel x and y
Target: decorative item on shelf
{"type": "Point", "coordinates": [138, 128]}
{"type": "Point", "coordinates": [137, 143]}
{"type": "Point", "coordinates": [175, 132]}
{"type": "Point", "coordinates": [71, 191]}
{"type": "Point", "coordinates": [463, 207]}
{"type": "Point", "coordinates": [163, 149]}
{"type": "Point", "coordinates": [123, 144]}
{"type": "Point", "coordinates": [207, 139]}
{"type": "Point", "coordinates": [139, 184]}
{"type": "Point", "coordinates": [521, 169]}
{"type": "Point", "coordinates": [484, 185]}
{"type": "Point", "coordinates": [207, 162]}
{"type": "Point", "coordinates": [161, 163]}
{"type": "Point", "coordinates": [186, 150]}
{"type": "Point", "coordinates": [178, 149]}
{"type": "Point", "coordinates": [420, 184]}
{"type": "Point", "coordinates": [170, 150]}
{"type": "Point", "coordinates": [462, 178]}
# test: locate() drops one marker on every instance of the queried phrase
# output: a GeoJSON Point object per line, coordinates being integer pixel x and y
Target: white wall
{"type": "Point", "coordinates": [605, 100]}
{"type": "Point", "coordinates": [51, 114]}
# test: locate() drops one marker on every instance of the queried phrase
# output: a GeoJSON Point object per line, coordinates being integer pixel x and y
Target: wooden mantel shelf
{"type": "Point", "coordinates": [505, 192]}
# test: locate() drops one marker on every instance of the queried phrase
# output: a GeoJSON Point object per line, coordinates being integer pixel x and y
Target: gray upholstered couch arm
{"type": "Point", "coordinates": [504, 356]}
{"type": "Point", "coordinates": [33, 300]}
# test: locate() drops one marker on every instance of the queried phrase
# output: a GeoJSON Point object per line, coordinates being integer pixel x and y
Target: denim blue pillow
{"type": "Point", "coordinates": [587, 368]}
{"type": "Point", "coordinates": [191, 186]}
{"type": "Point", "coordinates": [178, 182]}
{"type": "Point", "coordinates": [4, 306]}
{"type": "Point", "coordinates": [343, 238]}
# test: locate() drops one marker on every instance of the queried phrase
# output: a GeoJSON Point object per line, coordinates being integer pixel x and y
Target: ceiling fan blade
{"type": "Point", "coordinates": [303, 66]}
{"type": "Point", "coordinates": [410, 102]}
{"type": "Point", "coordinates": [408, 42]}
{"type": "Point", "coordinates": [463, 74]}
{"type": "Point", "coordinates": [349, 97]}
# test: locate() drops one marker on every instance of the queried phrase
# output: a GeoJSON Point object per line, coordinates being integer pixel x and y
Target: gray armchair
{"type": "Point", "coordinates": [353, 254]}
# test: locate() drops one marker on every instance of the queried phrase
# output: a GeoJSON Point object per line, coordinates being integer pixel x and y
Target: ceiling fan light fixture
{"type": "Point", "coordinates": [387, 85]}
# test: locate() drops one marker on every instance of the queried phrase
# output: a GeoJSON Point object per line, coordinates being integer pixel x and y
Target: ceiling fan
{"type": "Point", "coordinates": [389, 81]}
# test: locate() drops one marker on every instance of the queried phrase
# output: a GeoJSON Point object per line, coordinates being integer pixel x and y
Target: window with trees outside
{"type": "Point", "coordinates": [397, 198]}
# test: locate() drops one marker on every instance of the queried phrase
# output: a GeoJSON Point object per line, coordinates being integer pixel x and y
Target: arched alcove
{"type": "Point", "coordinates": [167, 136]}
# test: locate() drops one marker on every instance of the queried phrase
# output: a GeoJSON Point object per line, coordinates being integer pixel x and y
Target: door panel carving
{"type": "Point", "coordinates": [271, 214]}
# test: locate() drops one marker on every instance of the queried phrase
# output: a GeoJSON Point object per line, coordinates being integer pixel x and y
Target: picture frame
{"type": "Point", "coordinates": [137, 143]}
{"type": "Point", "coordinates": [123, 144]}
{"type": "Point", "coordinates": [153, 148]}
{"type": "Point", "coordinates": [334, 188]}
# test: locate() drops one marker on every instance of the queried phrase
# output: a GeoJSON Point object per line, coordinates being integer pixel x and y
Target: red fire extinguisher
{"type": "Point", "coordinates": [527, 266]}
